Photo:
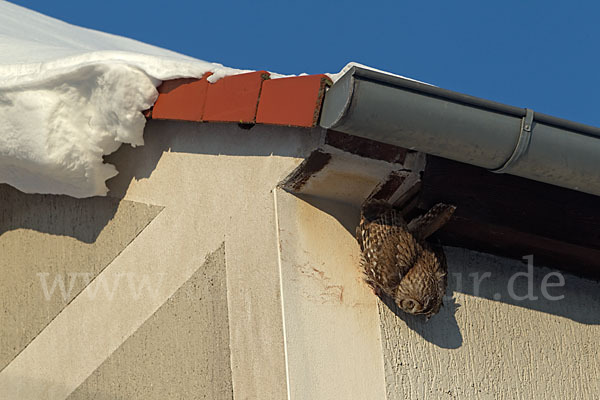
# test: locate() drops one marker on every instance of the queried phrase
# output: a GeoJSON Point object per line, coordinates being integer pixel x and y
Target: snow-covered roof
{"type": "Point", "coordinates": [69, 95]}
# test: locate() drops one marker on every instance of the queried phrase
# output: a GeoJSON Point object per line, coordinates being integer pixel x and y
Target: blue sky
{"type": "Point", "coordinates": [544, 55]}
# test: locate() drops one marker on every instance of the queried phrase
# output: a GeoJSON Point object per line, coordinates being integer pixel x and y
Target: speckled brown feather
{"type": "Point", "coordinates": [388, 249]}
{"type": "Point", "coordinates": [393, 259]}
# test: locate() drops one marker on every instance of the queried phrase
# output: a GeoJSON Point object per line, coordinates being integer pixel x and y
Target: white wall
{"type": "Point", "coordinates": [484, 348]}
{"type": "Point", "coordinates": [301, 323]}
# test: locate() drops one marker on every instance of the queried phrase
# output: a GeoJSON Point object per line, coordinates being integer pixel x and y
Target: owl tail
{"type": "Point", "coordinates": [427, 224]}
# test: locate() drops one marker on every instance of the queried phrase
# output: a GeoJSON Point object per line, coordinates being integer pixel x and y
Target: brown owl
{"type": "Point", "coordinates": [396, 260]}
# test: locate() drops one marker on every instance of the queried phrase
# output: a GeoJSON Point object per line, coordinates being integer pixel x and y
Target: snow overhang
{"type": "Point", "coordinates": [69, 96]}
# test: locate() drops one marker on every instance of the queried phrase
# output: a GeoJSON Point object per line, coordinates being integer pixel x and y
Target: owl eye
{"type": "Point", "coordinates": [408, 305]}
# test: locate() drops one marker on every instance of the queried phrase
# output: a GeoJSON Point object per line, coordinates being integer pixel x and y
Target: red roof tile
{"type": "Point", "coordinates": [244, 98]}
{"type": "Point", "coordinates": [181, 99]}
{"type": "Point", "coordinates": [292, 101]}
{"type": "Point", "coordinates": [234, 98]}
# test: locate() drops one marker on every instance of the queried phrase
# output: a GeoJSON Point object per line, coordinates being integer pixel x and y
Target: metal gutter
{"type": "Point", "coordinates": [495, 136]}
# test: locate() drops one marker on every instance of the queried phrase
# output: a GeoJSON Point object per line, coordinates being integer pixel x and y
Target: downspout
{"type": "Point", "coordinates": [500, 138]}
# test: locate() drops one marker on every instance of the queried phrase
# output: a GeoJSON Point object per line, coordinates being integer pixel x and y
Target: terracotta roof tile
{"type": "Point", "coordinates": [182, 99]}
{"type": "Point", "coordinates": [234, 98]}
{"type": "Point", "coordinates": [292, 101]}
{"type": "Point", "coordinates": [245, 98]}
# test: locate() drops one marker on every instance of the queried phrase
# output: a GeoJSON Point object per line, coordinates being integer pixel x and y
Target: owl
{"type": "Point", "coordinates": [397, 262]}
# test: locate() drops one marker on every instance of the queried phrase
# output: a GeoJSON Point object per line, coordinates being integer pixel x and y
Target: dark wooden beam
{"type": "Point", "coordinates": [366, 147]}
{"type": "Point", "coordinates": [514, 217]}
{"type": "Point", "coordinates": [309, 167]}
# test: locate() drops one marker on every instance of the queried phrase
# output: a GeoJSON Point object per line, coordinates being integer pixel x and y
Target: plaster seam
{"type": "Point", "coordinates": [285, 348]}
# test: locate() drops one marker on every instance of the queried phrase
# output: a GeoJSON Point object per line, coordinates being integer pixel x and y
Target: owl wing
{"type": "Point", "coordinates": [388, 249]}
{"type": "Point", "coordinates": [442, 271]}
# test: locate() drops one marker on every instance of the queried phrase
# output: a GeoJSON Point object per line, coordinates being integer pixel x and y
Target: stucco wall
{"type": "Point", "coordinates": [487, 344]}
{"type": "Point", "coordinates": [199, 278]}
{"type": "Point", "coordinates": [177, 199]}
{"type": "Point", "coordinates": [488, 341]}
{"type": "Point", "coordinates": [331, 324]}
{"type": "Point", "coordinates": [181, 351]}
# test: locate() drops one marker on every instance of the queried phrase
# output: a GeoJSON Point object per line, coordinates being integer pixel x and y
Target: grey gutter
{"type": "Point", "coordinates": [495, 136]}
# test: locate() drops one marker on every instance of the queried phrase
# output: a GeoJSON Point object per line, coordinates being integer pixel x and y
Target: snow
{"type": "Point", "coordinates": [69, 95]}
{"type": "Point", "coordinates": [335, 77]}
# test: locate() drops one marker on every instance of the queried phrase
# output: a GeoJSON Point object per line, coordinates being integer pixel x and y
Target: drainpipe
{"type": "Point", "coordinates": [500, 138]}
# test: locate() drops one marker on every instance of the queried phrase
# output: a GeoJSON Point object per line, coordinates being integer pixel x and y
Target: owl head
{"type": "Point", "coordinates": [421, 292]}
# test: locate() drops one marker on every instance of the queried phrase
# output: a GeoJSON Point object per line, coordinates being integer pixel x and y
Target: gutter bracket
{"type": "Point", "coordinates": [522, 142]}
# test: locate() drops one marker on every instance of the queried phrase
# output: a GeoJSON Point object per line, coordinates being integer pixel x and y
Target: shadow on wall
{"type": "Point", "coordinates": [489, 277]}
{"type": "Point", "coordinates": [84, 219]}
{"type": "Point", "coordinates": [212, 139]}
{"type": "Point", "coordinates": [522, 283]}
{"type": "Point", "coordinates": [346, 214]}
{"type": "Point", "coordinates": [441, 329]}
{"type": "Point", "coordinates": [508, 281]}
